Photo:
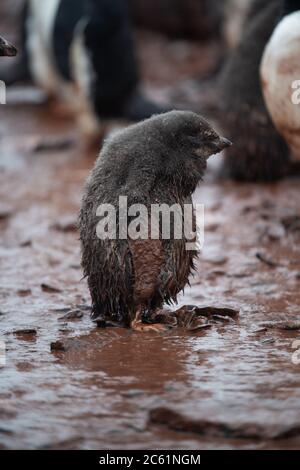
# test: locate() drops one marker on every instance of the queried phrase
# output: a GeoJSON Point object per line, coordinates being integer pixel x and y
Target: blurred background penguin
{"type": "Point", "coordinates": [82, 52]}
{"type": "Point", "coordinates": [87, 53]}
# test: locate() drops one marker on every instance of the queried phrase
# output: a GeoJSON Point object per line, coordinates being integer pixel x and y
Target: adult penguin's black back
{"type": "Point", "coordinates": [107, 42]}
{"type": "Point", "coordinates": [67, 17]}
{"type": "Point", "coordinates": [259, 153]}
{"type": "Point", "coordinates": [89, 43]}
{"type": "Point", "coordinates": [108, 38]}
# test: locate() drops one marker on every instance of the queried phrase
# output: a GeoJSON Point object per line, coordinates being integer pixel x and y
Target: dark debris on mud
{"type": "Point", "coordinates": [250, 431]}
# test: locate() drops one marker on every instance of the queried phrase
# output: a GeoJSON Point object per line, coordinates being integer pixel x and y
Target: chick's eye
{"type": "Point", "coordinates": [194, 131]}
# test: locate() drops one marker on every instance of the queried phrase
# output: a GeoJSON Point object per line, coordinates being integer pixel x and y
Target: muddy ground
{"type": "Point", "coordinates": [232, 386]}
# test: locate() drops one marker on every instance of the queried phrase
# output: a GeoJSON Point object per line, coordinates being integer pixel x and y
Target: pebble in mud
{"type": "Point", "coordinates": [24, 292]}
{"type": "Point", "coordinates": [275, 232]}
{"type": "Point", "coordinates": [215, 259]}
{"type": "Point", "coordinates": [193, 318]}
{"type": "Point", "coordinates": [53, 144]}
{"type": "Point", "coordinates": [50, 289]}
{"type": "Point", "coordinates": [26, 243]}
{"type": "Point", "coordinates": [177, 422]}
{"type": "Point", "coordinates": [74, 314]}
{"type": "Point", "coordinates": [5, 213]}
{"type": "Point", "coordinates": [282, 325]}
{"type": "Point", "coordinates": [65, 224]}
{"type": "Point", "coordinates": [267, 261]}
{"type": "Point", "coordinates": [58, 346]}
{"type": "Point", "coordinates": [28, 334]}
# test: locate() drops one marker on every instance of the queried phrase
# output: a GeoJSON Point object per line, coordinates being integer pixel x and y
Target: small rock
{"type": "Point", "coordinates": [5, 431]}
{"type": "Point", "coordinates": [282, 325]}
{"type": "Point", "coordinates": [50, 289]}
{"type": "Point", "coordinates": [58, 346]}
{"type": "Point", "coordinates": [275, 232]}
{"type": "Point", "coordinates": [24, 292]}
{"type": "Point", "coordinates": [239, 275]}
{"type": "Point", "coordinates": [75, 266]}
{"type": "Point", "coordinates": [26, 243]}
{"type": "Point", "coordinates": [216, 273]}
{"type": "Point", "coordinates": [213, 227]}
{"type": "Point", "coordinates": [65, 224]}
{"type": "Point", "coordinates": [26, 334]}
{"type": "Point", "coordinates": [269, 262]}
{"type": "Point", "coordinates": [268, 341]}
{"type": "Point", "coordinates": [222, 319]}
{"type": "Point", "coordinates": [5, 213]}
{"type": "Point", "coordinates": [25, 366]}
{"type": "Point", "coordinates": [217, 260]}
{"type": "Point", "coordinates": [291, 222]}
{"type": "Point", "coordinates": [220, 311]}
{"type": "Point", "coordinates": [194, 318]}
{"type": "Point", "coordinates": [166, 317]}
{"type": "Point", "coordinates": [60, 310]}
{"type": "Point", "coordinates": [75, 314]}
{"type": "Point", "coordinates": [290, 326]}
{"type": "Point", "coordinates": [196, 323]}
{"type": "Point", "coordinates": [52, 144]}
{"type": "Point", "coordinates": [259, 330]}
{"type": "Point", "coordinates": [215, 429]}
{"type": "Point", "coordinates": [84, 307]}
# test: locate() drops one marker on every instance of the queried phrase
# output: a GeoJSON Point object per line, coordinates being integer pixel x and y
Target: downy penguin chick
{"type": "Point", "coordinates": [83, 52]}
{"type": "Point", "coordinates": [280, 74]}
{"type": "Point", "coordinates": [158, 161]}
{"type": "Point", "coordinates": [259, 153]}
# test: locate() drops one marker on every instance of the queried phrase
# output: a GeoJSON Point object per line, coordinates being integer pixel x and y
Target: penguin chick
{"type": "Point", "coordinates": [259, 153]}
{"type": "Point", "coordinates": [158, 161]}
{"type": "Point", "coordinates": [7, 49]}
{"type": "Point", "coordinates": [83, 53]}
{"type": "Point", "coordinates": [280, 74]}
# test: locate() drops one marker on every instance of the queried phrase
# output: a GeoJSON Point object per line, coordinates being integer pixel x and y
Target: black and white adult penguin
{"type": "Point", "coordinates": [7, 49]}
{"type": "Point", "coordinates": [259, 153]}
{"type": "Point", "coordinates": [280, 74]}
{"type": "Point", "coordinates": [83, 51]}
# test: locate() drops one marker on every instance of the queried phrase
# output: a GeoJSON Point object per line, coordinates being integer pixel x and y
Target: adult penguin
{"type": "Point", "coordinates": [280, 73]}
{"type": "Point", "coordinates": [259, 153]}
{"type": "Point", "coordinates": [83, 52]}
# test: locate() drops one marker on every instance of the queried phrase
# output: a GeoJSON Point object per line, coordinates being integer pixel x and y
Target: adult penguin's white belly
{"type": "Point", "coordinates": [280, 69]}
{"type": "Point", "coordinates": [39, 26]}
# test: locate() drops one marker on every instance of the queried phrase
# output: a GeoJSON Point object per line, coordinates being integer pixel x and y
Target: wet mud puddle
{"type": "Point", "coordinates": [233, 385]}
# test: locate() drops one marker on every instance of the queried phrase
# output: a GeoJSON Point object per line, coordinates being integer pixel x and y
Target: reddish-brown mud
{"type": "Point", "coordinates": [68, 385]}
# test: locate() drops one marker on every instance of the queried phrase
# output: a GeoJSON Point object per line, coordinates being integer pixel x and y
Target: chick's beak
{"type": "Point", "coordinates": [221, 144]}
{"type": "Point", "coordinates": [7, 49]}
